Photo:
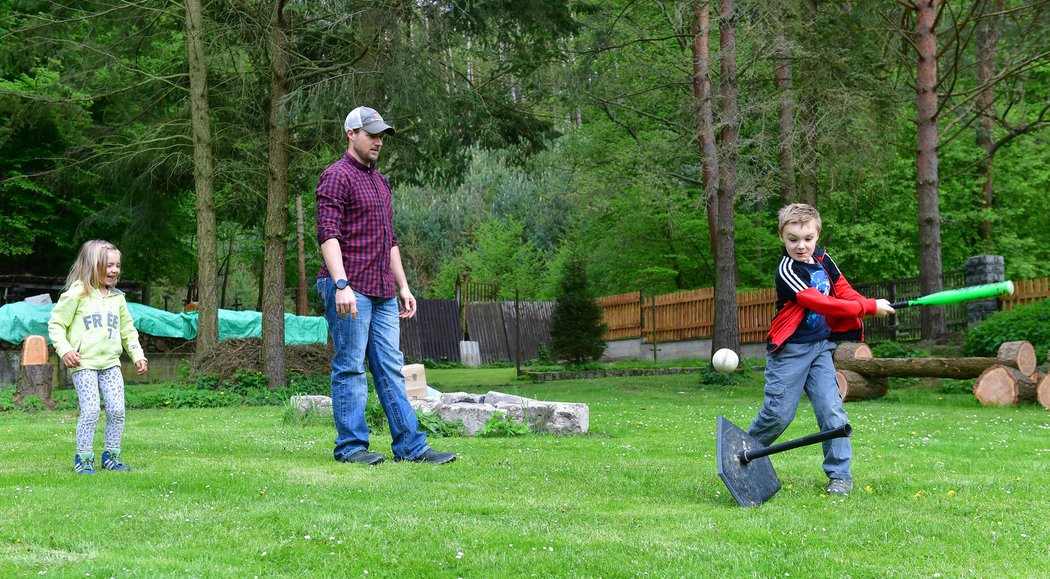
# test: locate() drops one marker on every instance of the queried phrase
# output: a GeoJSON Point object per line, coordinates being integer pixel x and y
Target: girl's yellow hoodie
{"type": "Point", "coordinates": [97, 326]}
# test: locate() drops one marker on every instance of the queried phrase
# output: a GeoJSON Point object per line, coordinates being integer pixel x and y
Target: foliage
{"type": "Point", "coordinates": [436, 427]}
{"type": "Point", "coordinates": [1030, 322]}
{"type": "Point", "coordinates": [7, 399]}
{"type": "Point", "coordinates": [576, 324]}
{"type": "Point", "coordinates": [893, 349]}
{"type": "Point", "coordinates": [501, 425]}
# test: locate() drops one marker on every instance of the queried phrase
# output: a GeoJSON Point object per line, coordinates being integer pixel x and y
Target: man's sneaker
{"type": "Point", "coordinates": [111, 461]}
{"type": "Point", "coordinates": [431, 456]}
{"type": "Point", "coordinates": [839, 486]}
{"type": "Point", "coordinates": [365, 457]}
{"type": "Point", "coordinates": [84, 463]}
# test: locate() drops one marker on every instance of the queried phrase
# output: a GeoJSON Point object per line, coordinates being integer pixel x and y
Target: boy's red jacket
{"type": "Point", "coordinates": [842, 308]}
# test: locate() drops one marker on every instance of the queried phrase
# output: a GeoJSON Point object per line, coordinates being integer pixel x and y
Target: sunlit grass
{"type": "Point", "coordinates": [943, 486]}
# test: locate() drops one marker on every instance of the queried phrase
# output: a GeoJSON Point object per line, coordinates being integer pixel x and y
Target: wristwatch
{"type": "Point", "coordinates": [341, 284]}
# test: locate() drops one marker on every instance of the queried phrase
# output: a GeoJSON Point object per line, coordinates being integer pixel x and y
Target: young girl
{"type": "Point", "coordinates": [89, 327]}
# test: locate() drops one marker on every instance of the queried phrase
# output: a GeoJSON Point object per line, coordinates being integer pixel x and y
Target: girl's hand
{"type": "Point", "coordinates": [141, 366]}
{"type": "Point", "coordinates": [71, 359]}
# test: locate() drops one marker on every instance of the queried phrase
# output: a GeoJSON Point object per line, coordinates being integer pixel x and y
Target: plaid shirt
{"type": "Point", "coordinates": [353, 206]}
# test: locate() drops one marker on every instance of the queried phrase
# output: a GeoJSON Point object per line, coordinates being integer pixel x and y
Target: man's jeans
{"type": "Point", "coordinates": [375, 334]}
{"type": "Point", "coordinates": [789, 372]}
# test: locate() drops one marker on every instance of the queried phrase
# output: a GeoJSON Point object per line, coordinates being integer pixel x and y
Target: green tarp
{"type": "Point", "coordinates": [20, 319]}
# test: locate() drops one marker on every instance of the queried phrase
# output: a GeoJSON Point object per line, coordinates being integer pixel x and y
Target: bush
{"type": "Point", "coordinates": [896, 350]}
{"type": "Point", "coordinates": [436, 427]}
{"type": "Point", "coordinates": [500, 425]}
{"type": "Point", "coordinates": [576, 324]}
{"type": "Point", "coordinates": [1031, 323]}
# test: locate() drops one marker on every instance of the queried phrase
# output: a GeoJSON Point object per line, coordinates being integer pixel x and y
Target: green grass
{"type": "Point", "coordinates": [955, 489]}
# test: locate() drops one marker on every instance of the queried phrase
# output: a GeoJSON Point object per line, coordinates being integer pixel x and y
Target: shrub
{"type": "Point", "coordinates": [7, 399]}
{"type": "Point", "coordinates": [576, 325]}
{"type": "Point", "coordinates": [895, 350]}
{"type": "Point", "coordinates": [436, 427]}
{"type": "Point", "coordinates": [500, 425]}
{"type": "Point", "coordinates": [1031, 323]}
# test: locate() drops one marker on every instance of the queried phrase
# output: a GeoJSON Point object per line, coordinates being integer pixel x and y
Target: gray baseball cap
{"type": "Point", "coordinates": [367, 119]}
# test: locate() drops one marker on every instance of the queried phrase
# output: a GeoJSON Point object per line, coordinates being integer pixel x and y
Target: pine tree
{"type": "Point", "coordinates": [576, 326]}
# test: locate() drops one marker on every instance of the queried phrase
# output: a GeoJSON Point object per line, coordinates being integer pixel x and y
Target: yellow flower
{"type": "Point", "coordinates": [790, 486]}
{"type": "Point", "coordinates": [868, 489]}
{"type": "Point", "coordinates": [951, 492]}
{"type": "Point", "coordinates": [918, 494]}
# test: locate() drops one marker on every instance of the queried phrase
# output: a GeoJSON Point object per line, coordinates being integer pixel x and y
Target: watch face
{"type": "Point", "coordinates": [341, 284]}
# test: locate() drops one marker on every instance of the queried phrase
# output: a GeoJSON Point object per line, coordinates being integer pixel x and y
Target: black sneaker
{"type": "Point", "coordinates": [365, 457]}
{"type": "Point", "coordinates": [431, 456]}
{"type": "Point", "coordinates": [839, 486]}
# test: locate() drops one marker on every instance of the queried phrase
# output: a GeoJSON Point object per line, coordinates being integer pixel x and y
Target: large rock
{"type": "Point", "coordinates": [312, 404]}
{"type": "Point", "coordinates": [473, 416]}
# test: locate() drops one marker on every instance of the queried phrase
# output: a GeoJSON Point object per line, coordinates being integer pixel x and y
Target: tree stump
{"type": "Point", "coordinates": [853, 351]}
{"type": "Point", "coordinates": [854, 386]}
{"type": "Point", "coordinates": [1004, 386]}
{"type": "Point", "coordinates": [1043, 391]}
{"type": "Point", "coordinates": [1020, 355]}
{"type": "Point", "coordinates": [35, 380]}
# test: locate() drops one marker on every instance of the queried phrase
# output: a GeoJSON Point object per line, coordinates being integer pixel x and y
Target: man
{"type": "Point", "coordinates": [363, 285]}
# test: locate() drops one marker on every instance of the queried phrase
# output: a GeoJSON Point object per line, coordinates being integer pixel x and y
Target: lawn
{"type": "Point", "coordinates": [944, 488]}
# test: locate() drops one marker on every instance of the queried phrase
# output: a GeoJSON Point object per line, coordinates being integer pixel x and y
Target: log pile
{"type": "Point", "coordinates": [1008, 378]}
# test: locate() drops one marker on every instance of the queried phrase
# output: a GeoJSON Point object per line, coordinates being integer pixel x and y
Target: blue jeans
{"type": "Point", "coordinates": [376, 335]}
{"type": "Point", "coordinates": [789, 372]}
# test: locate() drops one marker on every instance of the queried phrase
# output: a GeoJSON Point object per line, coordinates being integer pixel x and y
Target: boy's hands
{"type": "Point", "coordinates": [883, 308]}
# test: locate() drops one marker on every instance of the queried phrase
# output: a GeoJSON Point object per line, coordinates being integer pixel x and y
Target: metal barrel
{"type": "Point", "coordinates": [746, 456]}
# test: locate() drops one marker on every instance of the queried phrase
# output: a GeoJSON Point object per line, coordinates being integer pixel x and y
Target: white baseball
{"type": "Point", "coordinates": [725, 360]}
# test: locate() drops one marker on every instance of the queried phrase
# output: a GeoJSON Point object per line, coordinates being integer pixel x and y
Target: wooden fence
{"type": "Point", "coordinates": [434, 332]}
{"type": "Point", "coordinates": [690, 314]}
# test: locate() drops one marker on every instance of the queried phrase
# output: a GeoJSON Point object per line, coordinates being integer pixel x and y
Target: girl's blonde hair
{"type": "Point", "coordinates": [798, 213]}
{"type": "Point", "coordinates": [90, 265]}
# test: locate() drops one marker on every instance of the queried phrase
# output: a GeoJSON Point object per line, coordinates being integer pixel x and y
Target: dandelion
{"type": "Point", "coordinates": [918, 494]}
{"type": "Point", "coordinates": [868, 489]}
{"type": "Point", "coordinates": [951, 492]}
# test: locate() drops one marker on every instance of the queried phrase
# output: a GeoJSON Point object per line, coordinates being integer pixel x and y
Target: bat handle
{"type": "Point", "coordinates": [899, 305]}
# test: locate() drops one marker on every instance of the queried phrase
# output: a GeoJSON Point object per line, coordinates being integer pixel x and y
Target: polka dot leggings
{"type": "Point", "coordinates": [88, 383]}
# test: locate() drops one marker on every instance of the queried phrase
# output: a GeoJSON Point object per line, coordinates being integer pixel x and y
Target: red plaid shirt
{"type": "Point", "coordinates": [353, 206]}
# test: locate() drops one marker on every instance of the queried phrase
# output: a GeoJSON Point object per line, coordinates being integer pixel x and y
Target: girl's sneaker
{"type": "Point", "coordinates": [111, 461]}
{"type": "Point", "coordinates": [84, 463]}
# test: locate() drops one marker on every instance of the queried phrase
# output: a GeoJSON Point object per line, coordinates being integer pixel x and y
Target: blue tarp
{"type": "Point", "coordinates": [20, 319]}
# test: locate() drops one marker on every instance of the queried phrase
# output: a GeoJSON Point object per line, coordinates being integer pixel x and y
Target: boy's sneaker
{"type": "Point", "coordinates": [111, 461]}
{"type": "Point", "coordinates": [839, 486]}
{"type": "Point", "coordinates": [84, 463]}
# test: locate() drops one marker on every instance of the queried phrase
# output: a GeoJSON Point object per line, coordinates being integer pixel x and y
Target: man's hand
{"type": "Point", "coordinates": [406, 302]}
{"type": "Point", "coordinates": [346, 302]}
{"type": "Point", "coordinates": [883, 308]}
{"type": "Point", "coordinates": [71, 359]}
{"type": "Point", "coordinates": [141, 366]}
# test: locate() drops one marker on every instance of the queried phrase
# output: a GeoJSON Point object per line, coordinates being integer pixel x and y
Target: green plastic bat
{"type": "Point", "coordinates": [958, 296]}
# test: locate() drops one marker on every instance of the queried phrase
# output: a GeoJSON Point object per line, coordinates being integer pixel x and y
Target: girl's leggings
{"type": "Point", "coordinates": [88, 383]}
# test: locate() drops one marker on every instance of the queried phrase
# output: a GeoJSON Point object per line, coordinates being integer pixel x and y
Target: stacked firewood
{"type": "Point", "coordinates": [1011, 377]}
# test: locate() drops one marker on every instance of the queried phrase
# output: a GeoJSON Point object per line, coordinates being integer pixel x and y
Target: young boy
{"type": "Point", "coordinates": [815, 307]}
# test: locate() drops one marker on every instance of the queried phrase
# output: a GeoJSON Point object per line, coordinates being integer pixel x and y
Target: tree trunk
{"type": "Point", "coordinates": [854, 386]}
{"type": "Point", "coordinates": [808, 118]}
{"type": "Point", "coordinates": [986, 38]}
{"type": "Point", "coordinates": [705, 122]}
{"type": "Point", "coordinates": [727, 325]}
{"type": "Point", "coordinates": [35, 380]}
{"type": "Point", "coordinates": [933, 319]}
{"type": "Point", "coordinates": [276, 204]}
{"type": "Point", "coordinates": [1004, 386]}
{"type": "Point", "coordinates": [302, 305]}
{"type": "Point", "coordinates": [203, 179]}
{"type": "Point", "coordinates": [783, 80]}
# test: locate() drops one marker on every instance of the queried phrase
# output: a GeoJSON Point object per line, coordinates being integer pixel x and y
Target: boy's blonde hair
{"type": "Point", "coordinates": [90, 265]}
{"type": "Point", "coordinates": [800, 213]}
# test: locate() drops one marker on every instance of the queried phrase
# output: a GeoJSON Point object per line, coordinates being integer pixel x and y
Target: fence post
{"type": "Point", "coordinates": [653, 302]}
{"type": "Point", "coordinates": [517, 332]}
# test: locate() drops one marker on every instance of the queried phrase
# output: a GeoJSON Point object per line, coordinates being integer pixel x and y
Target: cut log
{"type": "Point", "coordinates": [1004, 386]}
{"type": "Point", "coordinates": [1020, 355]}
{"type": "Point", "coordinates": [853, 351]}
{"type": "Point", "coordinates": [34, 351]}
{"type": "Point", "coordinates": [1043, 392]}
{"type": "Point", "coordinates": [35, 380]}
{"type": "Point", "coordinates": [854, 386]}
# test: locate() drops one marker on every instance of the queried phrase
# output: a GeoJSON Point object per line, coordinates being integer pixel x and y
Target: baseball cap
{"type": "Point", "coordinates": [367, 119]}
